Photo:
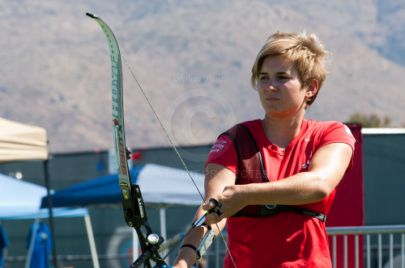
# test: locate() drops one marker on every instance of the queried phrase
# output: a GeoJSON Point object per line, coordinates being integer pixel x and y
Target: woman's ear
{"type": "Point", "coordinates": [312, 88]}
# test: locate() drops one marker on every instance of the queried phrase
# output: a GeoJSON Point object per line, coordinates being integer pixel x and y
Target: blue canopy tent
{"type": "Point", "coordinates": [160, 185]}
{"type": "Point", "coordinates": [100, 190]}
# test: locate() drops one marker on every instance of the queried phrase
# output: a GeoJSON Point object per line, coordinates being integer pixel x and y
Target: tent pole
{"type": "Point", "coordinates": [50, 215]}
{"type": "Point", "coordinates": [135, 245]}
{"type": "Point", "coordinates": [90, 236]}
{"type": "Point", "coordinates": [162, 212]}
{"type": "Point", "coordinates": [31, 245]}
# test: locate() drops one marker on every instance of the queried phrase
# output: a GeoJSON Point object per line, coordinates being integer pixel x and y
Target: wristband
{"type": "Point", "coordinates": [189, 246]}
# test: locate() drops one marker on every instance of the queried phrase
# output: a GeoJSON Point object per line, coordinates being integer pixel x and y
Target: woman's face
{"type": "Point", "coordinates": [280, 89]}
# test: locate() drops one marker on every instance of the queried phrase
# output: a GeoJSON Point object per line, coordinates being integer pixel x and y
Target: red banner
{"type": "Point", "coordinates": [348, 207]}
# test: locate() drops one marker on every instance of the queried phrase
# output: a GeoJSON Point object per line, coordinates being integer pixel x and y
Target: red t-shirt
{"type": "Point", "coordinates": [286, 239]}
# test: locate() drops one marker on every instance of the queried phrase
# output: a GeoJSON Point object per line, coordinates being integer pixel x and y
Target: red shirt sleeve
{"type": "Point", "coordinates": [223, 153]}
{"type": "Point", "coordinates": [337, 133]}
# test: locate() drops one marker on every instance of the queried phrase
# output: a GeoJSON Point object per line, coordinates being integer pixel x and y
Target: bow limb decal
{"type": "Point", "coordinates": [132, 201]}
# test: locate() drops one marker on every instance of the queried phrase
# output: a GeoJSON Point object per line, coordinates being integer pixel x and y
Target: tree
{"type": "Point", "coordinates": [372, 120]}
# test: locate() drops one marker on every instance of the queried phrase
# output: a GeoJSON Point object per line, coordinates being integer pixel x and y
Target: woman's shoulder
{"type": "Point", "coordinates": [252, 125]}
{"type": "Point", "coordinates": [329, 129]}
{"type": "Point", "coordinates": [324, 125]}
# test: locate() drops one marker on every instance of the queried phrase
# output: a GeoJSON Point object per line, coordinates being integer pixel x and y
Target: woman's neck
{"type": "Point", "coordinates": [281, 131]}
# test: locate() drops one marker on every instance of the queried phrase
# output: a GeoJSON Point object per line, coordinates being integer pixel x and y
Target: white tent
{"type": "Point", "coordinates": [21, 200]}
{"type": "Point", "coordinates": [167, 185]}
{"type": "Point", "coordinates": [22, 142]}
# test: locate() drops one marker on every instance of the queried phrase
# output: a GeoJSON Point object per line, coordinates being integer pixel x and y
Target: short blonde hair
{"type": "Point", "coordinates": [305, 51]}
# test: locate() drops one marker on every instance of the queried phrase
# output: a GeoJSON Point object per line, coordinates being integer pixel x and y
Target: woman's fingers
{"type": "Point", "coordinates": [224, 205]}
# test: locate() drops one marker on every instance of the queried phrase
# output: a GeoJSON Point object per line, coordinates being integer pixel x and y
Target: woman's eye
{"type": "Point", "coordinates": [263, 78]}
{"type": "Point", "coordinates": [282, 77]}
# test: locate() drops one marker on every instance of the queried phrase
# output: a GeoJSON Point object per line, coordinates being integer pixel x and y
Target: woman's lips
{"type": "Point", "coordinates": [272, 98]}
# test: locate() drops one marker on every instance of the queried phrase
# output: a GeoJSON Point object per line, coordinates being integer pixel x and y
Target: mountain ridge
{"type": "Point", "coordinates": [193, 61]}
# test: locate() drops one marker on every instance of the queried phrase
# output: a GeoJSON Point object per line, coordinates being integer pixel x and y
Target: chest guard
{"type": "Point", "coordinates": [251, 170]}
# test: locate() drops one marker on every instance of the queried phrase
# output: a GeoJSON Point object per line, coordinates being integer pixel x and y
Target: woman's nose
{"type": "Point", "coordinates": [270, 85]}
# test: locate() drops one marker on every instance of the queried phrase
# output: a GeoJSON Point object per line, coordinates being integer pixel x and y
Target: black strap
{"type": "Point", "coordinates": [267, 210]}
{"type": "Point", "coordinates": [189, 246]}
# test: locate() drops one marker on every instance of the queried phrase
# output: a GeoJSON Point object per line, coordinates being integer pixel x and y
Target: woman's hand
{"type": "Point", "coordinates": [230, 201]}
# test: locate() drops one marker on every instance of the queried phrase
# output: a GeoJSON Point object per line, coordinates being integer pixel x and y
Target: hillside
{"type": "Point", "coordinates": [193, 59]}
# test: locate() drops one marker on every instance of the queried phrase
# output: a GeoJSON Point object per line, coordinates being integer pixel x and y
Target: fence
{"type": "Point", "coordinates": [370, 250]}
{"type": "Point", "coordinates": [351, 247]}
{"type": "Point", "coordinates": [375, 253]}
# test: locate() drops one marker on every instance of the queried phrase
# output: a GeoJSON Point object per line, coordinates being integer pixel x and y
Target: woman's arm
{"type": "Point", "coordinates": [327, 168]}
{"type": "Point", "coordinates": [216, 179]}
